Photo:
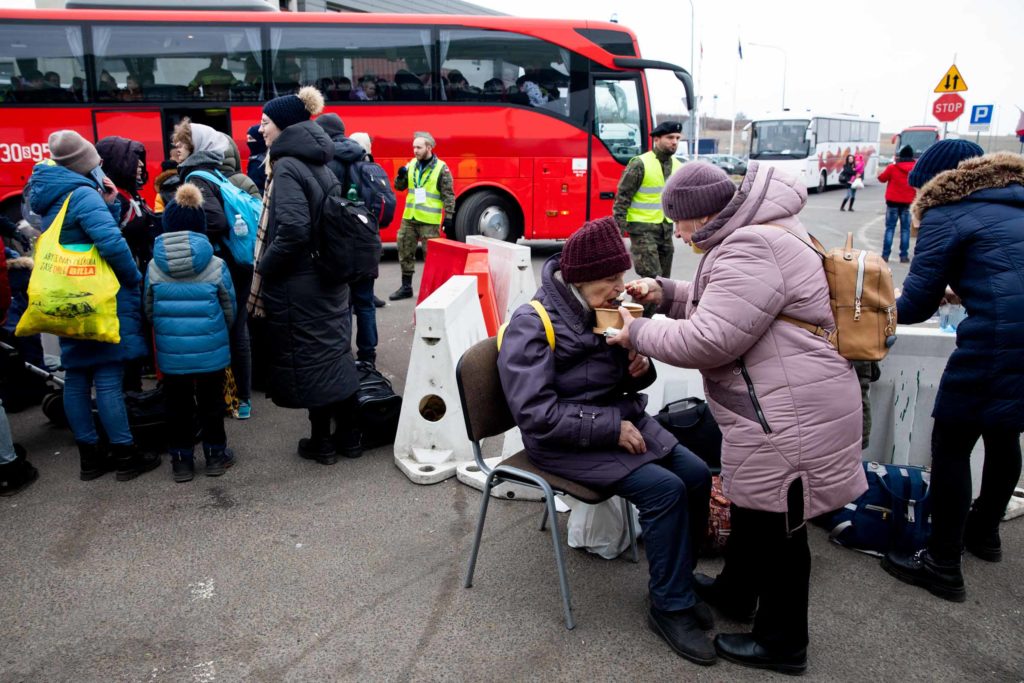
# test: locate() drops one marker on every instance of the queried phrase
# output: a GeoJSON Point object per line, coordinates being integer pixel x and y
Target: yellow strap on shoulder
{"type": "Point", "coordinates": [549, 329]}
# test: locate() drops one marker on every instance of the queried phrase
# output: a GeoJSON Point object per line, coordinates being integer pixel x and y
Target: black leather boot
{"type": "Point", "coordinates": [728, 605]}
{"type": "Point", "coordinates": [93, 461]}
{"type": "Point", "coordinates": [348, 444]}
{"type": "Point", "coordinates": [18, 474]}
{"type": "Point", "coordinates": [183, 464]}
{"type": "Point", "coordinates": [405, 291]}
{"type": "Point", "coordinates": [944, 579]}
{"type": "Point", "coordinates": [131, 462]}
{"type": "Point", "coordinates": [321, 450]}
{"type": "Point", "coordinates": [851, 203]}
{"type": "Point", "coordinates": [843, 206]}
{"type": "Point", "coordinates": [742, 649]}
{"type": "Point", "coordinates": [683, 633]}
{"type": "Point", "coordinates": [983, 543]}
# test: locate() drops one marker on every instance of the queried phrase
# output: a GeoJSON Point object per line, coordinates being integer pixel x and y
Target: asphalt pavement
{"type": "Point", "coordinates": [286, 570]}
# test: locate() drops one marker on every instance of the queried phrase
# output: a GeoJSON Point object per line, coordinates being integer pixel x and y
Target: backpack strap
{"type": "Point", "coordinates": [816, 330]}
{"type": "Point", "coordinates": [545, 319]}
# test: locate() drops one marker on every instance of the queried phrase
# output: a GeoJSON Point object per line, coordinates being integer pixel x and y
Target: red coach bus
{"type": "Point", "coordinates": [536, 118]}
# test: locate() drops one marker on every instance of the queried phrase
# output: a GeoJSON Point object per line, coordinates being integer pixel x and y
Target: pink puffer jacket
{"type": "Point", "coordinates": [787, 402]}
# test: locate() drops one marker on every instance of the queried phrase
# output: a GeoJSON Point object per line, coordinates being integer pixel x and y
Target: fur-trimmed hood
{"type": "Point", "coordinates": [992, 171]}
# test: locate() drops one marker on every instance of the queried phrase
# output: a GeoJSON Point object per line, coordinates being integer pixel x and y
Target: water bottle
{"type": "Point", "coordinates": [352, 195]}
{"type": "Point", "coordinates": [241, 228]}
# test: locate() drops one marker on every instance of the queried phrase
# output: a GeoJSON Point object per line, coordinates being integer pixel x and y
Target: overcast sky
{"type": "Point", "coordinates": [881, 57]}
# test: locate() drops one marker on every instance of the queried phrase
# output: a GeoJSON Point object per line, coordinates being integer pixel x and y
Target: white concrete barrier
{"type": "Point", "coordinates": [431, 439]}
{"type": "Point", "coordinates": [511, 273]}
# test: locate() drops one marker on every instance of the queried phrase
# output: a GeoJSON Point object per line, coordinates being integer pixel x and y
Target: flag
{"type": "Point", "coordinates": [740, 44]}
{"type": "Point", "coordinates": [1020, 125]}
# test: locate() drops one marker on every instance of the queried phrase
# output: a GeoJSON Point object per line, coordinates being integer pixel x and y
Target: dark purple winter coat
{"type": "Point", "coordinates": [569, 403]}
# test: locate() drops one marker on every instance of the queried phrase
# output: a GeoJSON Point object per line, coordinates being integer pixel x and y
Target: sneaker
{"type": "Point", "coordinates": [946, 580]}
{"type": "Point", "coordinates": [17, 475]}
{"type": "Point", "coordinates": [244, 410]}
{"type": "Point", "coordinates": [321, 450]}
{"type": "Point", "coordinates": [683, 634]}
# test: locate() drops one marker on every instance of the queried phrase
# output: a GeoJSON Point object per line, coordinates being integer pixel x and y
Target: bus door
{"type": "Point", "coordinates": [619, 134]}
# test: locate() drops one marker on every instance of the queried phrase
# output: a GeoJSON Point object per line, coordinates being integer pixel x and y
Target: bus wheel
{"type": "Point", "coordinates": [822, 181]}
{"type": "Point", "coordinates": [489, 214]}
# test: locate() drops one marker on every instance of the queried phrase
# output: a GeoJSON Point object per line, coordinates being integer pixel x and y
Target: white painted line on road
{"type": "Point", "coordinates": [871, 243]}
{"type": "Point", "coordinates": [202, 590]}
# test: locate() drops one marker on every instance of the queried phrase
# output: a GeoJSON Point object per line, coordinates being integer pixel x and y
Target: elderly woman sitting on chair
{"type": "Point", "coordinates": [582, 418]}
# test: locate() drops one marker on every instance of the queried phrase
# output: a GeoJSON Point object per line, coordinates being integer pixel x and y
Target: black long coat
{"type": "Point", "coordinates": [309, 328]}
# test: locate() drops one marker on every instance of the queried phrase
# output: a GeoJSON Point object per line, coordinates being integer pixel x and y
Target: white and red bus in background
{"type": "Point", "coordinates": [536, 118]}
{"type": "Point", "coordinates": [813, 147]}
{"type": "Point", "coordinates": [919, 138]}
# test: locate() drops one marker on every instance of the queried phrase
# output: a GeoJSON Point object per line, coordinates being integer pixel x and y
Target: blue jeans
{"type": "Point", "coordinates": [851, 193]}
{"type": "Point", "coordinates": [7, 453]}
{"type": "Point", "coordinates": [892, 213]}
{"type": "Point", "coordinates": [672, 494]}
{"type": "Point", "coordinates": [361, 296]}
{"type": "Point", "coordinates": [78, 383]}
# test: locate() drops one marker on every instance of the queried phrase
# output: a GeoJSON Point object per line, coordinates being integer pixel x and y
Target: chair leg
{"type": "Point", "coordinates": [627, 515]}
{"type": "Point", "coordinates": [544, 519]}
{"type": "Point", "coordinates": [559, 559]}
{"type": "Point", "coordinates": [479, 529]}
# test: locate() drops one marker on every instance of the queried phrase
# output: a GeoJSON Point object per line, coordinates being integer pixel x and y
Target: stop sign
{"type": "Point", "coordinates": [948, 108]}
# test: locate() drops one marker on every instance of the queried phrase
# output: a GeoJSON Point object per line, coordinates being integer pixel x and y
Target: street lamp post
{"type": "Point", "coordinates": [785, 61]}
{"type": "Point", "coordinates": [693, 114]}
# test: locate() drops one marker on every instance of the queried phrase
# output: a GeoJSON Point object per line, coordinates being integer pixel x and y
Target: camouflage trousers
{"type": "Point", "coordinates": [867, 372]}
{"type": "Point", "coordinates": [651, 248]}
{"type": "Point", "coordinates": [409, 235]}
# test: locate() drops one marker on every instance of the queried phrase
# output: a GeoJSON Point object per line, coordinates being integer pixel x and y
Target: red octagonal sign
{"type": "Point", "coordinates": [948, 108]}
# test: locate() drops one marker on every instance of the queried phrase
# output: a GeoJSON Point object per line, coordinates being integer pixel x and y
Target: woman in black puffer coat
{"type": "Point", "coordinates": [308, 326]}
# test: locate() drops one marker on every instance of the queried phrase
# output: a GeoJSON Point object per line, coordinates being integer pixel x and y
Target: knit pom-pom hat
{"type": "Point", "coordinates": [593, 252]}
{"type": "Point", "coordinates": [185, 212]}
{"type": "Point", "coordinates": [288, 110]}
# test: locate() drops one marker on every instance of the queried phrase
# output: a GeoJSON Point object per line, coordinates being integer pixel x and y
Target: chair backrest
{"type": "Point", "coordinates": [483, 400]}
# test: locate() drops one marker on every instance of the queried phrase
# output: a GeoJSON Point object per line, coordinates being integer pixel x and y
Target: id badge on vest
{"type": "Point", "coordinates": [421, 195]}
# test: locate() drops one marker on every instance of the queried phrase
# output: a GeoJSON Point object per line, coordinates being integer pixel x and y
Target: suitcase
{"type": "Point", "coordinates": [379, 407]}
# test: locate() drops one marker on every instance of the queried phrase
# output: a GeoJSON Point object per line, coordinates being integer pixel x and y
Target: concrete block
{"type": "Point", "coordinates": [511, 273]}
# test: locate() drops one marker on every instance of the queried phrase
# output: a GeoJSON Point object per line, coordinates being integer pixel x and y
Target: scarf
{"type": "Point", "coordinates": [255, 303]}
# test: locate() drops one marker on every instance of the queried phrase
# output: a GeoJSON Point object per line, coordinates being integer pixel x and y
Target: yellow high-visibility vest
{"type": "Point", "coordinates": [429, 210]}
{"type": "Point", "coordinates": [646, 204]}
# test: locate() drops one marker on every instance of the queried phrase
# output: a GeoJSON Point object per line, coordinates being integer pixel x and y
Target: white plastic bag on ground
{"type": "Point", "coordinates": [600, 529]}
{"type": "Point", "coordinates": [1013, 510]}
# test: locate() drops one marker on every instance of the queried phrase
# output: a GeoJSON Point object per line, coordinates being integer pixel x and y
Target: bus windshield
{"type": "Point", "coordinates": [919, 140]}
{"type": "Point", "coordinates": [779, 139]}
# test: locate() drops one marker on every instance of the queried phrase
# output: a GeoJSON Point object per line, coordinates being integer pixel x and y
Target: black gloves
{"type": "Point", "coordinates": [449, 226]}
{"type": "Point", "coordinates": [403, 173]}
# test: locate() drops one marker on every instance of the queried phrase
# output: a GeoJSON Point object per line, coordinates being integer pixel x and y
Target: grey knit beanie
{"type": "Point", "coordinates": [71, 150]}
{"type": "Point", "coordinates": [696, 190]}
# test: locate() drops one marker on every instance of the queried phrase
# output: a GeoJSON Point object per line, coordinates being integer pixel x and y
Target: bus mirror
{"type": "Point", "coordinates": [687, 82]}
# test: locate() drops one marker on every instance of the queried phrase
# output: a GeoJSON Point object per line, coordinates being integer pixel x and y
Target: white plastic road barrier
{"type": "Point", "coordinates": [431, 439]}
{"type": "Point", "coordinates": [511, 273]}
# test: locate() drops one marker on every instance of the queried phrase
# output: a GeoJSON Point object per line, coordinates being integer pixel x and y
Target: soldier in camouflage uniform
{"type": "Point", "coordinates": [637, 206]}
{"type": "Point", "coordinates": [430, 190]}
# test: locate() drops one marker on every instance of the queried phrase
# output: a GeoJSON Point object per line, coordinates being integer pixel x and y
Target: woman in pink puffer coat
{"type": "Point", "coordinates": [788, 404]}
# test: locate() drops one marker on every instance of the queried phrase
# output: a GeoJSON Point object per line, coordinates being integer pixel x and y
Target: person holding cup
{"type": "Point", "coordinates": [577, 402]}
{"type": "Point", "coordinates": [789, 406]}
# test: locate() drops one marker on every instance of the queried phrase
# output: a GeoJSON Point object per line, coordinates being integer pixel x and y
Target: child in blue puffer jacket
{"type": "Point", "coordinates": [191, 303]}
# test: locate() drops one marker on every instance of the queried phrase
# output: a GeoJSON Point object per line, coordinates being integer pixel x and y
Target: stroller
{"type": "Point", "coordinates": [147, 413]}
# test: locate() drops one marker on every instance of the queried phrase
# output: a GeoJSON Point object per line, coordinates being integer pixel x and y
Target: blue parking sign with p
{"type": "Point", "coordinates": [981, 114]}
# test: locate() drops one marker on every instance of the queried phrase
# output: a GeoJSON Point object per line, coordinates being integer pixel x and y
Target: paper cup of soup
{"type": "Point", "coordinates": [610, 317]}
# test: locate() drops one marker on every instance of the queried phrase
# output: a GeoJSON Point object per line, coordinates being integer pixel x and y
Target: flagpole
{"type": "Point", "coordinates": [696, 110]}
{"type": "Point", "coordinates": [735, 86]}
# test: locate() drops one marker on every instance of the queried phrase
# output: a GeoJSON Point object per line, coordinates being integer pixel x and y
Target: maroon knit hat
{"type": "Point", "coordinates": [696, 190]}
{"type": "Point", "coordinates": [594, 251]}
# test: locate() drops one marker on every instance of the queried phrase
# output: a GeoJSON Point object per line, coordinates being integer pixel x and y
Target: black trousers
{"type": "Point", "coordinates": [951, 482]}
{"type": "Point", "coordinates": [767, 560]}
{"type": "Point", "coordinates": [344, 413]}
{"type": "Point", "coordinates": [183, 393]}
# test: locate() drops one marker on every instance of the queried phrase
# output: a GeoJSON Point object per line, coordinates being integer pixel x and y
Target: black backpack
{"type": "Point", "coordinates": [374, 188]}
{"type": "Point", "coordinates": [346, 240]}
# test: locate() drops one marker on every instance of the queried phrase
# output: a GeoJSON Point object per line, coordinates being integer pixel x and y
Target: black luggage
{"type": "Point", "coordinates": [691, 422]}
{"type": "Point", "coordinates": [379, 407]}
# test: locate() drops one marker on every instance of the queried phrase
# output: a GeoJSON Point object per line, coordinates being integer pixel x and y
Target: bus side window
{"type": "Point", "coordinates": [41, 63]}
{"type": "Point", "coordinates": [173, 62]}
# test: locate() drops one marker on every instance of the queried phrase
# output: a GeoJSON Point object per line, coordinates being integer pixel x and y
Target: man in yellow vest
{"type": "Point", "coordinates": [430, 191]}
{"type": "Point", "coordinates": [637, 207]}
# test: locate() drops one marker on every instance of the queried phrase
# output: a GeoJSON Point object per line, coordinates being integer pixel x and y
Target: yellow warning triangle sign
{"type": "Point", "coordinates": [952, 81]}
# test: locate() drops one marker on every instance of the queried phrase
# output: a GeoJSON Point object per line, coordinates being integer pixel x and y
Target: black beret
{"type": "Point", "coordinates": [667, 128]}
